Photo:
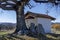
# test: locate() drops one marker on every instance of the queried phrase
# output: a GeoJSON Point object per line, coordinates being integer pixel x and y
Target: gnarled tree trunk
{"type": "Point", "coordinates": [21, 25]}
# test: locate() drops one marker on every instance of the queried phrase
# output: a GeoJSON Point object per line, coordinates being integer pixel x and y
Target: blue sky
{"type": "Point", "coordinates": [10, 15]}
{"type": "Point", "coordinates": [7, 16]}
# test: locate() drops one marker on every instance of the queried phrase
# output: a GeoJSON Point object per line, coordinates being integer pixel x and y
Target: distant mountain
{"type": "Point", "coordinates": [7, 26]}
{"type": "Point", "coordinates": [56, 23]}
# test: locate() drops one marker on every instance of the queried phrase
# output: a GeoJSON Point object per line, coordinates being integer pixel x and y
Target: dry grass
{"type": "Point", "coordinates": [6, 32]}
{"type": "Point", "coordinates": [4, 36]}
{"type": "Point", "coordinates": [22, 37]}
{"type": "Point", "coordinates": [53, 36]}
{"type": "Point", "coordinates": [28, 38]}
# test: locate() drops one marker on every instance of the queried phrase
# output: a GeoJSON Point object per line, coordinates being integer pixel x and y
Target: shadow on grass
{"type": "Point", "coordinates": [29, 37]}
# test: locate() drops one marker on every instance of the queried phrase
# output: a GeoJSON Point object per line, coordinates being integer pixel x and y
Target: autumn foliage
{"type": "Point", "coordinates": [56, 26]}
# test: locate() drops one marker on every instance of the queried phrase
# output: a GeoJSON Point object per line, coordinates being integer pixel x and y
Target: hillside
{"type": "Point", "coordinates": [56, 25]}
{"type": "Point", "coordinates": [7, 26]}
{"type": "Point", "coordinates": [56, 28]}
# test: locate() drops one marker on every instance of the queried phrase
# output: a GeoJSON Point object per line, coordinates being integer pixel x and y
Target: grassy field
{"type": "Point", "coordinates": [6, 32]}
{"type": "Point", "coordinates": [4, 36]}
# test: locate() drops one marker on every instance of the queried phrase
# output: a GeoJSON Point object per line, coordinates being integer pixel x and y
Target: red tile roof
{"type": "Point", "coordinates": [31, 15]}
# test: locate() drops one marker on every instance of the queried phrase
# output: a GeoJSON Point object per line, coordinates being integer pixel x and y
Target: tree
{"type": "Point", "coordinates": [21, 25]}
{"type": "Point", "coordinates": [19, 8]}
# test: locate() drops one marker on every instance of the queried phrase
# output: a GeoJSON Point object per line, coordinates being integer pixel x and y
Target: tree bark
{"type": "Point", "coordinates": [21, 25]}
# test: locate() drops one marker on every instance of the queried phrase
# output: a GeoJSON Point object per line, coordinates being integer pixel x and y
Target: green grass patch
{"type": "Point", "coordinates": [3, 32]}
{"type": "Point", "coordinates": [6, 32]}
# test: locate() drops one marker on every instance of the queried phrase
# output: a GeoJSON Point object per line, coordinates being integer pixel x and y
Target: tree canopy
{"type": "Point", "coordinates": [8, 4]}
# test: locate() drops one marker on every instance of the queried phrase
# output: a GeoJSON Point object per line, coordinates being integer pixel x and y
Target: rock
{"type": "Point", "coordinates": [23, 32]}
{"type": "Point", "coordinates": [40, 29]}
{"type": "Point", "coordinates": [32, 29]}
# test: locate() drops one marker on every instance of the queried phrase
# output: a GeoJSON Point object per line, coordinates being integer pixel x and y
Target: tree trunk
{"type": "Point", "coordinates": [21, 25]}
